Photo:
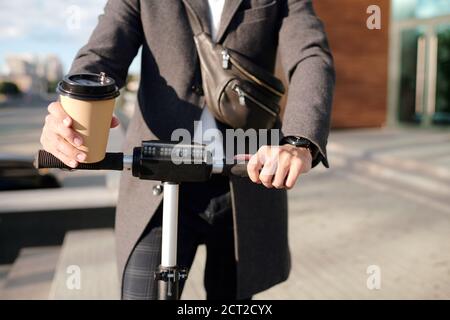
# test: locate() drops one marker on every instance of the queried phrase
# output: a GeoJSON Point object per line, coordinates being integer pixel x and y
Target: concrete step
{"type": "Point", "coordinates": [31, 274]}
{"type": "Point", "coordinates": [4, 270]}
{"type": "Point", "coordinates": [86, 269]}
{"type": "Point", "coordinates": [57, 199]}
{"type": "Point", "coordinates": [427, 155]}
{"type": "Point", "coordinates": [410, 174]}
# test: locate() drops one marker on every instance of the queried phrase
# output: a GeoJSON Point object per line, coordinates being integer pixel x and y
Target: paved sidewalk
{"type": "Point", "coordinates": [364, 212]}
{"type": "Point", "coordinates": [424, 151]}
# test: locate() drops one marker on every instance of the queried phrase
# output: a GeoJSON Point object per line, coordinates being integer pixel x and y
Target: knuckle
{"type": "Point", "coordinates": [251, 164]}
{"type": "Point", "coordinates": [286, 155]}
{"type": "Point", "coordinates": [263, 150]}
{"type": "Point", "coordinates": [66, 132]}
{"type": "Point", "coordinates": [277, 185]}
{"type": "Point", "coordinates": [61, 156]}
{"type": "Point", "coordinates": [253, 177]}
{"type": "Point", "coordinates": [63, 147]}
{"type": "Point", "coordinates": [270, 163]}
{"type": "Point", "coordinates": [58, 139]}
{"type": "Point", "coordinates": [59, 126]}
{"type": "Point", "coordinates": [269, 170]}
{"type": "Point", "coordinates": [277, 150]}
{"type": "Point", "coordinates": [48, 119]}
{"type": "Point", "coordinates": [52, 107]}
{"type": "Point", "coordinates": [265, 178]}
{"type": "Point", "coordinates": [294, 176]}
{"type": "Point", "coordinates": [295, 171]}
{"type": "Point", "coordinates": [60, 145]}
{"type": "Point", "coordinates": [284, 165]}
{"type": "Point", "coordinates": [297, 161]}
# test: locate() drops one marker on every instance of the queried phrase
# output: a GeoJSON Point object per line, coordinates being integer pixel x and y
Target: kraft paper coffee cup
{"type": "Point", "coordinates": [89, 99]}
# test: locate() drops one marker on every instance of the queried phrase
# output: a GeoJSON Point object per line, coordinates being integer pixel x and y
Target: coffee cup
{"type": "Point", "coordinates": [89, 99]}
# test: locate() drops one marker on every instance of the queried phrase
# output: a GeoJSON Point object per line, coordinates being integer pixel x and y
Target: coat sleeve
{"type": "Point", "coordinates": [114, 42]}
{"type": "Point", "coordinates": [308, 67]}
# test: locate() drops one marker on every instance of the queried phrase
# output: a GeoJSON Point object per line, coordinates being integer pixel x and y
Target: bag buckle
{"type": "Point", "coordinates": [225, 59]}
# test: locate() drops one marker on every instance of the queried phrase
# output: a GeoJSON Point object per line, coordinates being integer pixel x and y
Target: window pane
{"type": "Point", "coordinates": [422, 9]}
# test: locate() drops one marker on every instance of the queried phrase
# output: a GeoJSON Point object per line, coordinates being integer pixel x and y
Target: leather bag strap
{"type": "Point", "coordinates": [194, 20]}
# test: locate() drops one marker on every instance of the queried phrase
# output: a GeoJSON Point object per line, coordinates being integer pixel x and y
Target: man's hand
{"type": "Point", "coordinates": [60, 139]}
{"type": "Point", "coordinates": [279, 166]}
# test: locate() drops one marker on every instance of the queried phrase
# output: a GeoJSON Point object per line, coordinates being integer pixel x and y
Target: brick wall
{"type": "Point", "coordinates": [361, 58]}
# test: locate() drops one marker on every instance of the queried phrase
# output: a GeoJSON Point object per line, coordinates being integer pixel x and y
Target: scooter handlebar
{"type": "Point", "coordinates": [112, 161]}
{"type": "Point", "coordinates": [115, 161]}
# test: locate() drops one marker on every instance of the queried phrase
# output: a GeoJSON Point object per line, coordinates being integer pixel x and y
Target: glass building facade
{"type": "Point", "coordinates": [419, 9]}
{"type": "Point", "coordinates": [420, 62]}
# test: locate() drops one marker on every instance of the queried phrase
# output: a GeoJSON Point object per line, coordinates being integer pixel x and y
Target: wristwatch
{"type": "Point", "coordinates": [301, 142]}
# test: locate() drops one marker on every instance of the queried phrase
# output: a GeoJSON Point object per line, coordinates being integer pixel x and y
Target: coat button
{"type": "Point", "coordinates": [197, 89]}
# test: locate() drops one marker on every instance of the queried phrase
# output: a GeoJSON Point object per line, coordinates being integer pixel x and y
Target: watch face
{"type": "Point", "coordinates": [300, 142]}
{"type": "Point", "coordinates": [297, 141]}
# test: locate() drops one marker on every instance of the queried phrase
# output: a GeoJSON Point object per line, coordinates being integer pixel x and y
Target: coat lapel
{"type": "Point", "coordinates": [229, 11]}
{"type": "Point", "coordinates": [202, 9]}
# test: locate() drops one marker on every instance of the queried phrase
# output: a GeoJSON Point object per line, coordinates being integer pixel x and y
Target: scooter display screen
{"type": "Point", "coordinates": [174, 162]}
{"type": "Point", "coordinates": [174, 152]}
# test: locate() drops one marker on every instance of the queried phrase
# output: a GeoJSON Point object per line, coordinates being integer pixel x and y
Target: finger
{"type": "Point", "coordinates": [50, 146]}
{"type": "Point", "coordinates": [294, 172]}
{"type": "Point", "coordinates": [253, 167]}
{"type": "Point", "coordinates": [256, 163]}
{"type": "Point", "coordinates": [242, 157]}
{"type": "Point", "coordinates": [56, 142]}
{"type": "Point", "coordinates": [60, 128]}
{"type": "Point", "coordinates": [70, 151]}
{"type": "Point", "coordinates": [281, 173]}
{"type": "Point", "coordinates": [115, 122]}
{"type": "Point", "coordinates": [65, 159]}
{"type": "Point", "coordinates": [56, 109]}
{"type": "Point", "coordinates": [268, 171]}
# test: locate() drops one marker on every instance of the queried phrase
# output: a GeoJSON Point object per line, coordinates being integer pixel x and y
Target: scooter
{"type": "Point", "coordinates": [169, 162]}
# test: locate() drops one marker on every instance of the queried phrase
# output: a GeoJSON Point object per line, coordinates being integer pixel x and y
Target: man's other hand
{"type": "Point", "coordinates": [279, 166]}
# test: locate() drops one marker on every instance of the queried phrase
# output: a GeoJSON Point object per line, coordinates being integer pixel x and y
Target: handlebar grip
{"type": "Point", "coordinates": [112, 161]}
{"type": "Point", "coordinates": [236, 169]}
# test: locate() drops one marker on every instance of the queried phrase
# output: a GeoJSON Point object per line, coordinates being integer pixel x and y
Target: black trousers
{"type": "Point", "coordinates": [205, 217]}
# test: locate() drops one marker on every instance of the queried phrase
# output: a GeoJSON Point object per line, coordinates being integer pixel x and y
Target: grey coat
{"type": "Point", "coordinates": [167, 101]}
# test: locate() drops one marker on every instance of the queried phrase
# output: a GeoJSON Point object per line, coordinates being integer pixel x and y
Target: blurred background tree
{"type": "Point", "coordinates": [9, 88]}
{"type": "Point", "coordinates": [51, 86]}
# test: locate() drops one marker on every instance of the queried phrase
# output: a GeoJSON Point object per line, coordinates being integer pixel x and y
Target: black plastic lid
{"type": "Point", "coordinates": [88, 86]}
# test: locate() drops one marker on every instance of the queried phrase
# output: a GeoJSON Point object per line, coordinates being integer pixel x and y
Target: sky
{"type": "Point", "coordinates": [42, 27]}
